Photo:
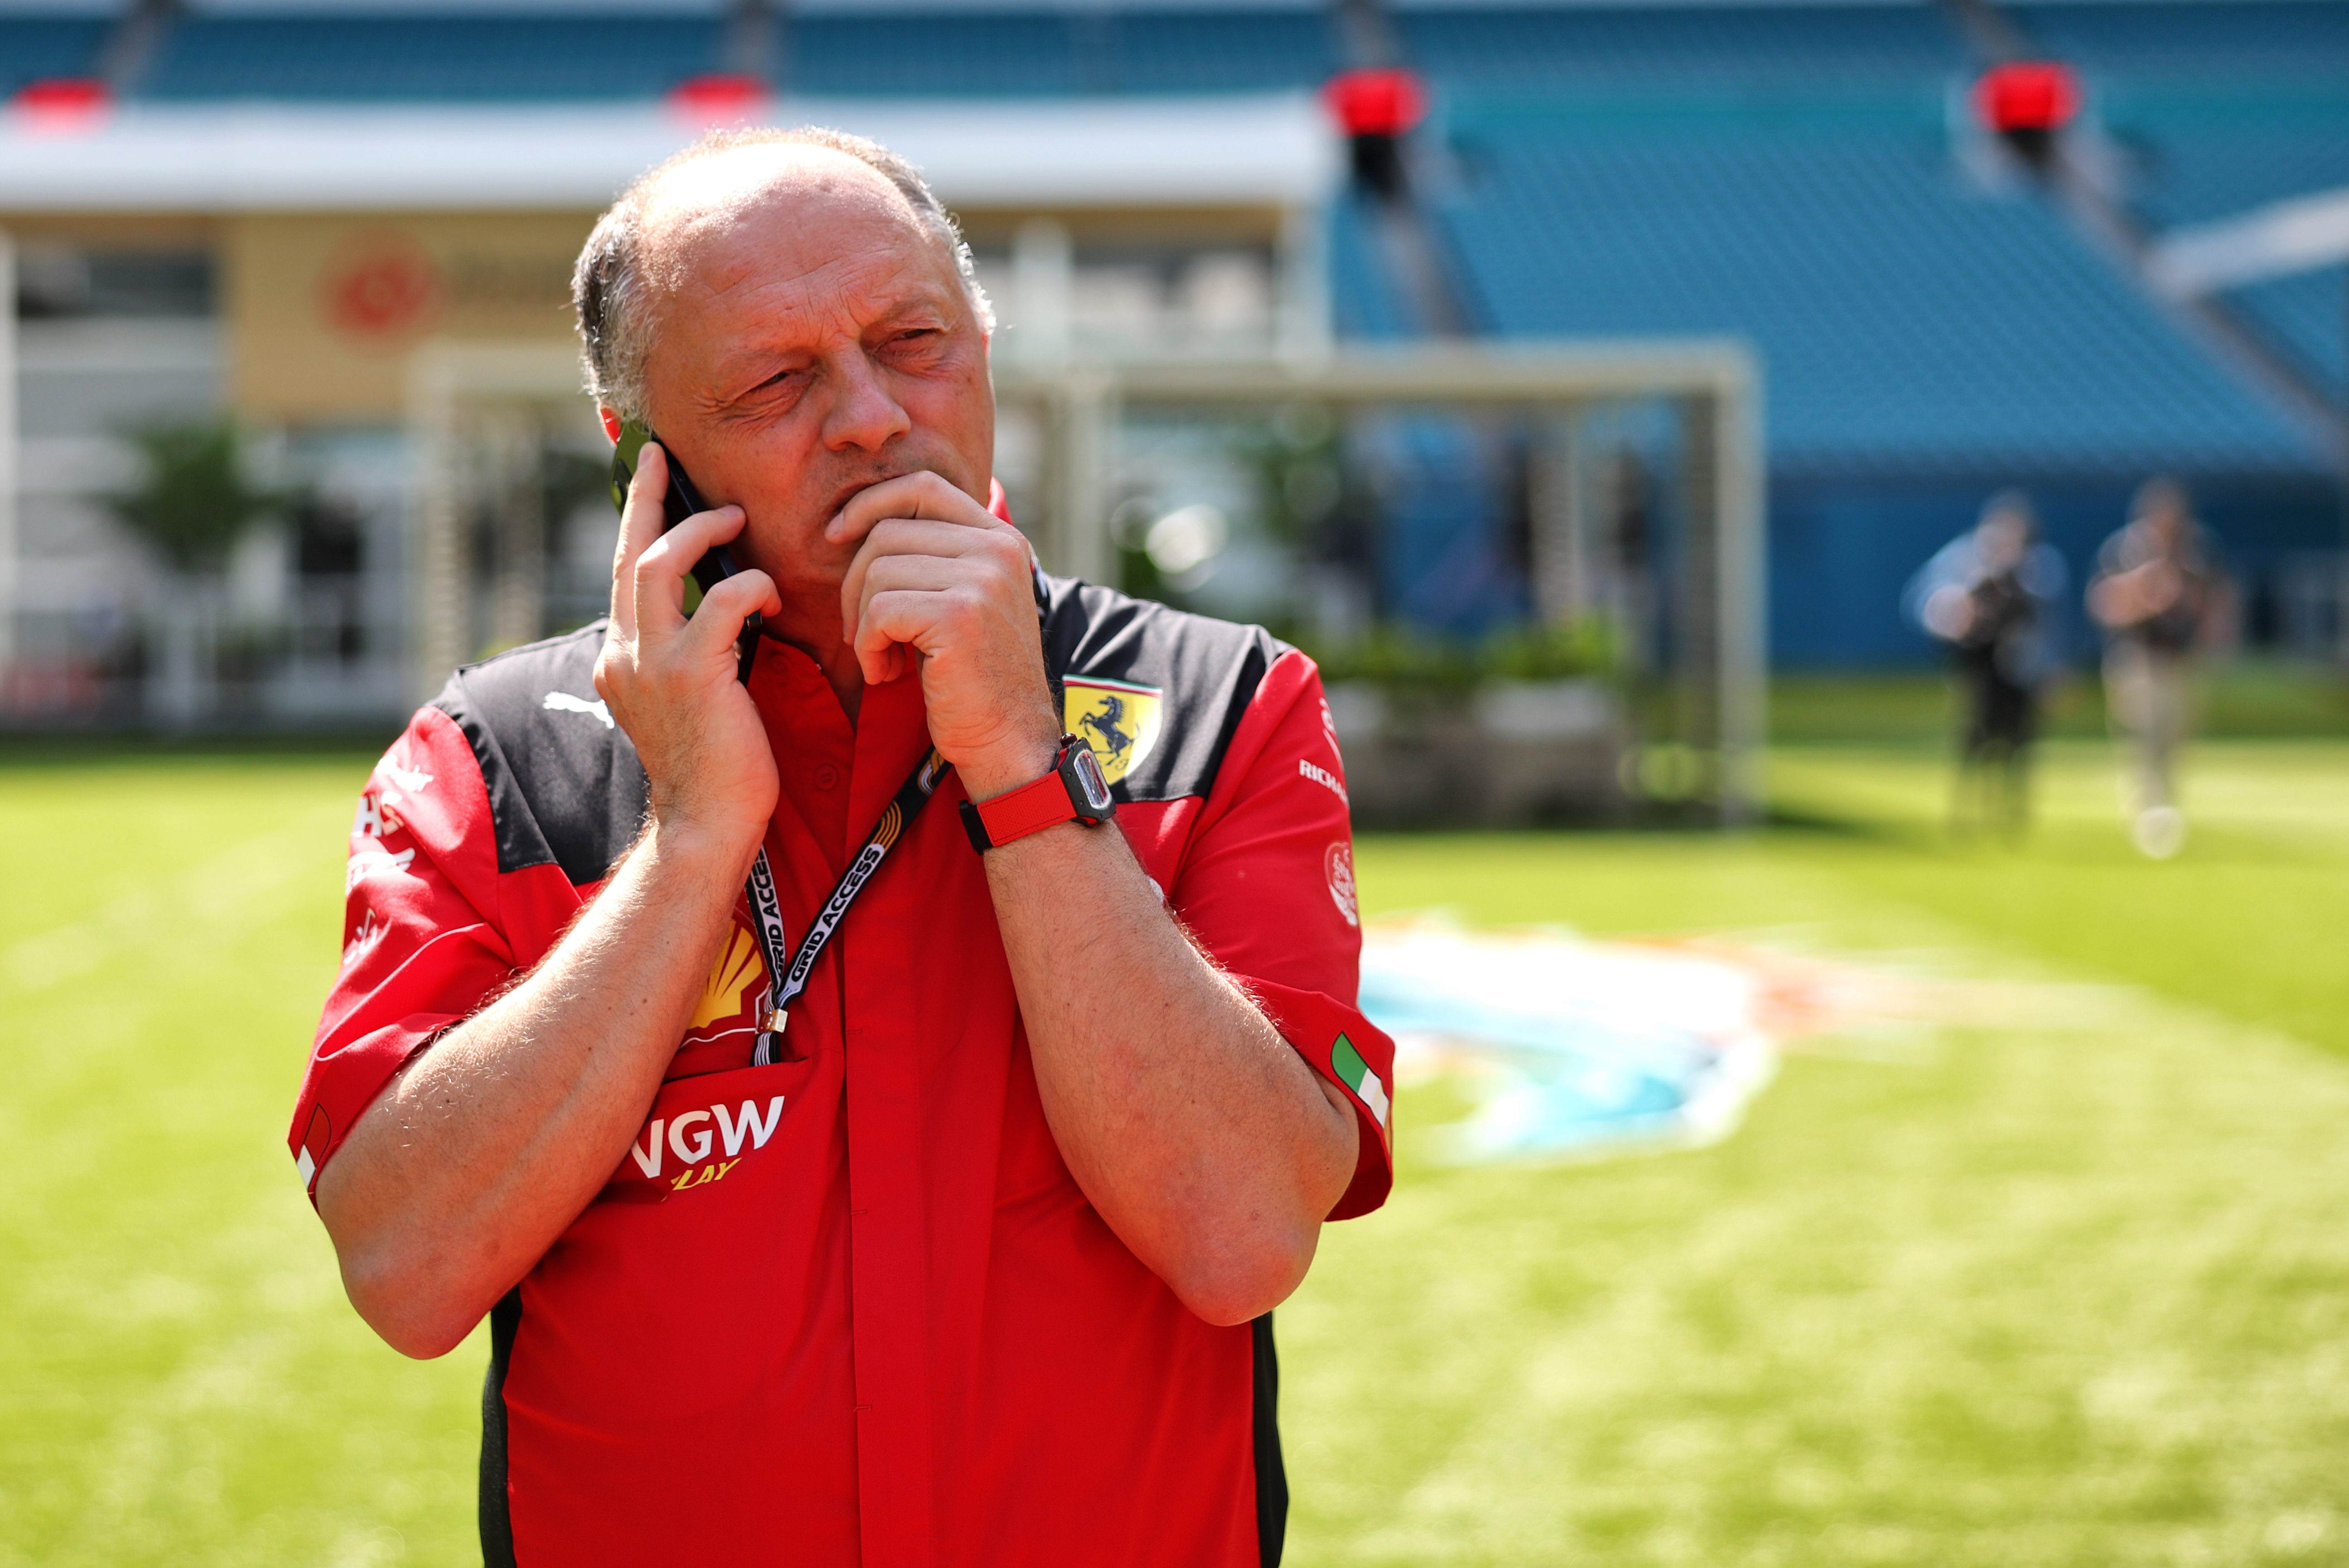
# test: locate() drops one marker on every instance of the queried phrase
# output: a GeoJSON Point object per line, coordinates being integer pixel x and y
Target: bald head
{"type": "Point", "coordinates": [710, 202]}
{"type": "Point", "coordinates": [709, 199]}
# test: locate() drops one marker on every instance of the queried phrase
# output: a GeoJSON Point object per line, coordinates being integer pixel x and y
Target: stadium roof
{"type": "Point", "coordinates": [205, 158]}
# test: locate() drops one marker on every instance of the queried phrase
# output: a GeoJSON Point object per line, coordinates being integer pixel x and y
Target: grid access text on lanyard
{"type": "Point", "coordinates": [784, 983]}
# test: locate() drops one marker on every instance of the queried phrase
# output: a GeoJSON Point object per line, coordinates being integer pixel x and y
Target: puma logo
{"type": "Point", "coordinates": [565, 703]}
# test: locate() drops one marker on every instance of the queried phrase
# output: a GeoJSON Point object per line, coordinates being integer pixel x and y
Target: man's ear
{"type": "Point", "coordinates": [611, 418]}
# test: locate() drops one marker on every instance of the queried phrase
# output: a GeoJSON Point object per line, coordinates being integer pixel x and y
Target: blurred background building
{"type": "Point", "coordinates": [343, 231]}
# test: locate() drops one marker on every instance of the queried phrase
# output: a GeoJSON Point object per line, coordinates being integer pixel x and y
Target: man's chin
{"type": "Point", "coordinates": [819, 568]}
{"type": "Point", "coordinates": [804, 566]}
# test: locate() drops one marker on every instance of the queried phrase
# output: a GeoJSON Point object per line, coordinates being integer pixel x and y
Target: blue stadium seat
{"type": "Point", "coordinates": [434, 56]}
{"type": "Point", "coordinates": [2185, 42]}
{"type": "Point", "coordinates": [893, 54]}
{"type": "Point", "coordinates": [1027, 53]}
{"type": "Point", "coordinates": [1902, 317]}
{"type": "Point", "coordinates": [1805, 47]}
{"type": "Point", "coordinates": [33, 47]}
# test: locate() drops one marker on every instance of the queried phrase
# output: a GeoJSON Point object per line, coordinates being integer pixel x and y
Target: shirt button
{"type": "Point", "coordinates": [827, 776]}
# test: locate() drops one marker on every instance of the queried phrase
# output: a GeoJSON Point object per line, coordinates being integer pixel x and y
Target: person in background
{"type": "Point", "coordinates": [2160, 597]}
{"type": "Point", "coordinates": [1994, 595]}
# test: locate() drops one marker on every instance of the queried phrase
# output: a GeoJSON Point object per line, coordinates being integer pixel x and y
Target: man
{"type": "Point", "coordinates": [2160, 596]}
{"type": "Point", "coordinates": [1991, 595]}
{"type": "Point", "coordinates": [968, 1257]}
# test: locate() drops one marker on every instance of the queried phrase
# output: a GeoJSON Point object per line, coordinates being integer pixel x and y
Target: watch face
{"type": "Point", "coordinates": [1087, 767]}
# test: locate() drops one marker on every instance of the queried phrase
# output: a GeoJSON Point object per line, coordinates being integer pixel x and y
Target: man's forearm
{"type": "Point", "coordinates": [487, 1145]}
{"type": "Point", "coordinates": [1204, 1141]}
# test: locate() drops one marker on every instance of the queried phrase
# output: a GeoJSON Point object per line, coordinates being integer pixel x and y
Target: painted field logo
{"type": "Point", "coordinates": [1118, 719]}
{"type": "Point", "coordinates": [1357, 1076]}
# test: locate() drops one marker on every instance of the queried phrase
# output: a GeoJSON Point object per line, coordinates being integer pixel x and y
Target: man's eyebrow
{"type": "Point", "coordinates": [921, 295]}
{"type": "Point", "coordinates": [740, 375]}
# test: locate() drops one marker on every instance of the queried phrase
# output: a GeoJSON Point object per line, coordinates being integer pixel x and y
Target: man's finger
{"type": "Point", "coordinates": [909, 573]}
{"type": "Point", "coordinates": [908, 538]}
{"type": "Point", "coordinates": [924, 495]}
{"type": "Point", "coordinates": [894, 615]}
{"type": "Point", "coordinates": [640, 524]}
{"type": "Point", "coordinates": [928, 607]}
{"type": "Point", "coordinates": [891, 630]}
{"type": "Point", "coordinates": [712, 631]}
{"type": "Point", "coordinates": [663, 566]}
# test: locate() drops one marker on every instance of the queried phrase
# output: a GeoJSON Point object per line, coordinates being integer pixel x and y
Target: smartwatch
{"type": "Point", "coordinates": [1074, 791]}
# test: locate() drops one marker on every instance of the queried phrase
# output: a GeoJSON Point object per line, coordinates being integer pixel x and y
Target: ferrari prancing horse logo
{"type": "Point", "coordinates": [1118, 719]}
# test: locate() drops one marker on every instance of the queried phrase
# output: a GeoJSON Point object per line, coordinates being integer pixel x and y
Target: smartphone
{"type": "Point", "coordinates": [717, 563]}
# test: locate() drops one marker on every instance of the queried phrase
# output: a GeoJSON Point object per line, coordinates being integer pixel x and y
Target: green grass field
{"type": "Point", "coordinates": [2074, 1290]}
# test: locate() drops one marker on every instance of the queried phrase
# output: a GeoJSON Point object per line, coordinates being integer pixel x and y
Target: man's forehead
{"type": "Point", "coordinates": [701, 204]}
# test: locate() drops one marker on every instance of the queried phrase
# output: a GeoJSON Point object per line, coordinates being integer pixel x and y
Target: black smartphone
{"type": "Point", "coordinates": [681, 502]}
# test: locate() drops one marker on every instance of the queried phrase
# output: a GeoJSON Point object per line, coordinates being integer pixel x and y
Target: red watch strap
{"type": "Point", "coordinates": [1032, 807]}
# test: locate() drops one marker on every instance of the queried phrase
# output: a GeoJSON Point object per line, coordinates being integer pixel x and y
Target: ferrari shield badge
{"type": "Point", "coordinates": [1117, 719]}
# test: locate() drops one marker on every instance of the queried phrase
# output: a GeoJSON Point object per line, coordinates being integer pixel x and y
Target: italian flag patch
{"type": "Point", "coordinates": [1356, 1075]}
{"type": "Point", "coordinates": [313, 1151]}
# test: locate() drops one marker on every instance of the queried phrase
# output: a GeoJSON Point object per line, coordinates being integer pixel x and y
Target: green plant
{"type": "Point", "coordinates": [193, 500]}
{"type": "Point", "coordinates": [1297, 460]}
{"type": "Point", "coordinates": [1406, 663]}
{"type": "Point", "coordinates": [1557, 651]}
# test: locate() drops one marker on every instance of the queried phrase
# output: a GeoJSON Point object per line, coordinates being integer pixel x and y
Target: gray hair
{"type": "Point", "coordinates": [609, 288]}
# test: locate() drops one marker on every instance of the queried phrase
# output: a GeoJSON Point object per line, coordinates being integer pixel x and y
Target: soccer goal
{"type": "Point", "coordinates": [1683, 583]}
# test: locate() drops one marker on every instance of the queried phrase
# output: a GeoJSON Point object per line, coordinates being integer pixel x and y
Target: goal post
{"type": "Point", "coordinates": [1717, 675]}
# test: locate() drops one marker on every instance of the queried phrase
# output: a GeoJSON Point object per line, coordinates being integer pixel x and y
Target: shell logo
{"type": "Point", "coordinates": [382, 289]}
{"type": "Point", "coordinates": [738, 965]}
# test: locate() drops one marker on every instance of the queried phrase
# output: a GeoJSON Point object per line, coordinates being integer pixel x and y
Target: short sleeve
{"type": "Point", "coordinates": [1267, 885]}
{"type": "Point", "coordinates": [420, 947]}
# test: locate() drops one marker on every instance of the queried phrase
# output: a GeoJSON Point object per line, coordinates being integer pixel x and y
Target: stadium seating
{"type": "Point", "coordinates": [1792, 174]}
{"type": "Point", "coordinates": [1059, 52]}
{"type": "Point", "coordinates": [432, 57]}
{"type": "Point", "coordinates": [2271, 41]}
{"type": "Point", "coordinates": [34, 47]}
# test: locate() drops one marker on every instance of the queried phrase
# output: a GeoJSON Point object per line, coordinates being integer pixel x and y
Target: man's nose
{"type": "Point", "coordinates": [865, 414]}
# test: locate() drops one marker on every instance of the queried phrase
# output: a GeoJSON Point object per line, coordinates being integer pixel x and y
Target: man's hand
{"type": "Point", "coordinates": [2137, 596]}
{"type": "Point", "coordinates": [938, 575]}
{"type": "Point", "coordinates": [670, 680]}
{"type": "Point", "coordinates": [1950, 613]}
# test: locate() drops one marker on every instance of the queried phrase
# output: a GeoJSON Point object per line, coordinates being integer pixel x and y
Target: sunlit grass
{"type": "Point", "coordinates": [2054, 1294]}
{"type": "Point", "coordinates": [184, 1383]}
{"type": "Point", "coordinates": [2073, 1292]}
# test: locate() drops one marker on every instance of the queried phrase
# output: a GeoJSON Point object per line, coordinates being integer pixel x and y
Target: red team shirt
{"type": "Point", "coordinates": [851, 1307]}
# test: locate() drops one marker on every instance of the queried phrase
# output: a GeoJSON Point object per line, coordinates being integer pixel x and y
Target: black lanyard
{"type": "Point", "coordinates": [784, 983]}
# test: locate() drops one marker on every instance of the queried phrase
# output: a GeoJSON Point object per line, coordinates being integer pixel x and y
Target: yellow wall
{"type": "Point", "coordinates": [322, 310]}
